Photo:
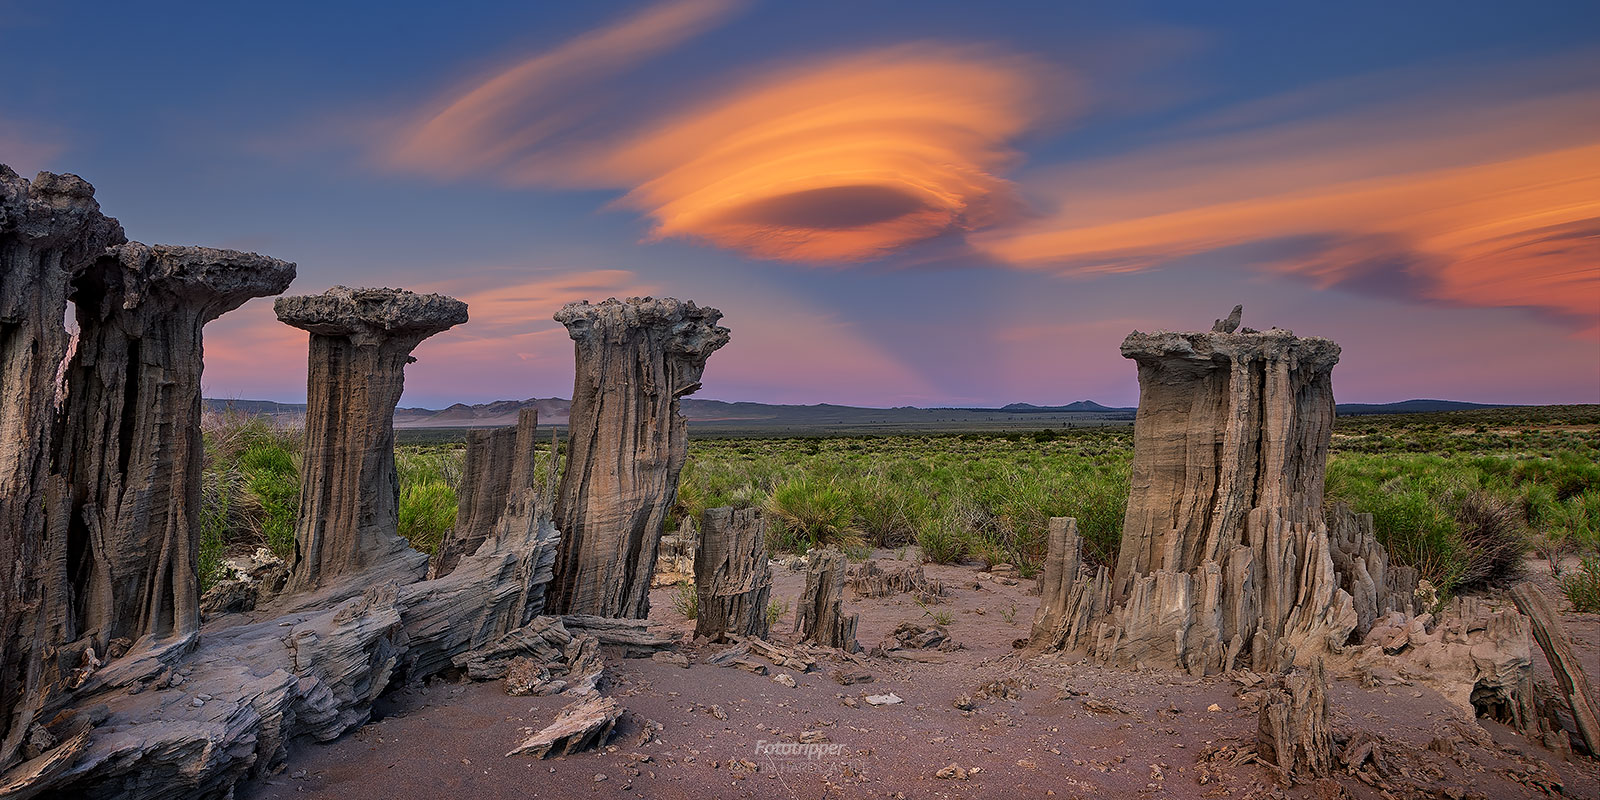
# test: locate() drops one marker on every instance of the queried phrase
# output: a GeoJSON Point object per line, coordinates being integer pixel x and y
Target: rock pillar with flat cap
{"type": "Point", "coordinates": [131, 444]}
{"type": "Point", "coordinates": [1225, 558]}
{"type": "Point", "coordinates": [626, 446]}
{"type": "Point", "coordinates": [1224, 548]}
{"type": "Point", "coordinates": [361, 340]}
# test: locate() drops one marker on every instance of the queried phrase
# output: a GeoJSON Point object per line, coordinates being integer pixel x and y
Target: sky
{"type": "Point", "coordinates": [939, 203]}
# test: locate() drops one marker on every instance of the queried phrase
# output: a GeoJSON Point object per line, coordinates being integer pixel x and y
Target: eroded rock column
{"type": "Point", "coordinates": [819, 611]}
{"type": "Point", "coordinates": [498, 465]}
{"type": "Point", "coordinates": [1224, 549]}
{"type": "Point", "coordinates": [627, 445]}
{"type": "Point", "coordinates": [131, 445]}
{"type": "Point", "coordinates": [361, 340]}
{"type": "Point", "coordinates": [732, 578]}
{"type": "Point", "coordinates": [50, 229]}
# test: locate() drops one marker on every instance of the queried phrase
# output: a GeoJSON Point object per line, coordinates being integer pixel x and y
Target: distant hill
{"type": "Point", "coordinates": [1410, 407]}
{"type": "Point", "coordinates": [1079, 406]}
{"type": "Point", "coordinates": [717, 416]}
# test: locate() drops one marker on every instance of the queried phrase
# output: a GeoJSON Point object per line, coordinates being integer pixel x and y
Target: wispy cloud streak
{"type": "Point", "coordinates": [1436, 199]}
{"type": "Point", "coordinates": [519, 122]}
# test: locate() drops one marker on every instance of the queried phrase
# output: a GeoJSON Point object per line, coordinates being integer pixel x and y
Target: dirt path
{"type": "Point", "coordinates": [1053, 728]}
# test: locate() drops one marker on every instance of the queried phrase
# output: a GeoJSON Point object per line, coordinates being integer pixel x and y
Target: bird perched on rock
{"type": "Point", "coordinates": [1230, 324]}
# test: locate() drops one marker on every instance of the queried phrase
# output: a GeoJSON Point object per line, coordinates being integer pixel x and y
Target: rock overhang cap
{"type": "Point", "coordinates": [53, 210]}
{"type": "Point", "coordinates": [343, 311]}
{"type": "Point", "coordinates": [1227, 346]}
{"type": "Point", "coordinates": [227, 273]}
{"type": "Point", "coordinates": [693, 328]}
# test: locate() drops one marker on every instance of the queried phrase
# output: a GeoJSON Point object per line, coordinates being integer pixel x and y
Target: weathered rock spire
{"type": "Point", "coordinates": [1224, 548]}
{"type": "Point", "coordinates": [130, 445]}
{"type": "Point", "coordinates": [627, 444]}
{"type": "Point", "coordinates": [1225, 554]}
{"type": "Point", "coordinates": [361, 340]}
{"type": "Point", "coordinates": [1227, 422]}
{"type": "Point", "coordinates": [50, 229]}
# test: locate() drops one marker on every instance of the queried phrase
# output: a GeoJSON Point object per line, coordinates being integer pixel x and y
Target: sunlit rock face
{"type": "Point", "coordinates": [627, 445]}
{"type": "Point", "coordinates": [1228, 422]}
{"type": "Point", "coordinates": [1225, 559]}
{"type": "Point", "coordinates": [1224, 549]}
{"type": "Point", "coordinates": [361, 340]}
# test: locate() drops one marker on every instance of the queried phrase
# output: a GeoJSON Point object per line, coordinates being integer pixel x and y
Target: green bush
{"type": "Point", "coordinates": [940, 542]}
{"type": "Point", "coordinates": [812, 512]}
{"type": "Point", "coordinates": [1492, 535]}
{"type": "Point", "coordinates": [1582, 588]}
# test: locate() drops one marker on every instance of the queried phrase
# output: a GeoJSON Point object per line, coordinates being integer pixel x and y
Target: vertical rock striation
{"type": "Point", "coordinates": [1070, 601]}
{"type": "Point", "coordinates": [50, 230]}
{"type": "Point", "coordinates": [498, 465]}
{"type": "Point", "coordinates": [819, 613]}
{"type": "Point", "coordinates": [1377, 587]}
{"type": "Point", "coordinates": [361, 340]}
{"type": "Point", "coordinates": [1227, 423]}
{"type": "Point", "coordinates": [130, 445]}
{"type": "Point", "coordinates": [732, 578]}
{"type": "Point", "coordinates": [1294, 729]}
{"type": "Point", "coordinates": [627, 444]}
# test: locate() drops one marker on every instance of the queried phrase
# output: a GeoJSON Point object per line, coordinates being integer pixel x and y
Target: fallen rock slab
{"type": "Point", "coordinates": [633, 637]}
{"type": "Point", "coordinates": [579, 726]}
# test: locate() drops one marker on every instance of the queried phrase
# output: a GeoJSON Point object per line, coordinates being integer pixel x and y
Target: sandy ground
{"type": "Point", "coordinates": [1063, 729]}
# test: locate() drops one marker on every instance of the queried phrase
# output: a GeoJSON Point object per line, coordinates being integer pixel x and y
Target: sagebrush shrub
{"type": "Point", "coordinates": [1495, 541]}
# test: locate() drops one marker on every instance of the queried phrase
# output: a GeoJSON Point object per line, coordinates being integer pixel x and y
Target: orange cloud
{"type": "Point", "coordinates": [839, 160]}
{"type": "Point", "coordinates": [521, 120]}
{"type": "Point", "coordinates": [1504, 212]}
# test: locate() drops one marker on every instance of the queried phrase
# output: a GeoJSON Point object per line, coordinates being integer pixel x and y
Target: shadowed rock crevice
{"type": "Point", "coordinates": [361, 340]}
{"type": "Point", "coordinates": [626, 446]}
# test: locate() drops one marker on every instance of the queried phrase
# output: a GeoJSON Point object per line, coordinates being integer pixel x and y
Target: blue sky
{"type": "Point", "coordinates": [934, 203]}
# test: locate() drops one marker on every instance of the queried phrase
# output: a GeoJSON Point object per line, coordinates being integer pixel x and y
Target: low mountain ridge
{"type": "Point", "coordinates": [555, 411]}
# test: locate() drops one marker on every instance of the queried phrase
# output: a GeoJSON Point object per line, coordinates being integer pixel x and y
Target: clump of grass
{"type": "Point", "coordinates": [813, 512]}
{"type": "Point", "coordinates": [250, 488]}
{"type": "Point", "coordinates": [942, 617]}
{"type": "Point", "coordinates": [1582, 587]}
{"type": "Point", "coordinates": [686, 601]}
{"type": "Point", "coordinates": [428, 480]}
{"type": "Point", "coordinates": [940, 542]}
{"type": "Point", "coordinates": [427, 514]}
{"type": "Point", "coordinates": [271, 472]}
